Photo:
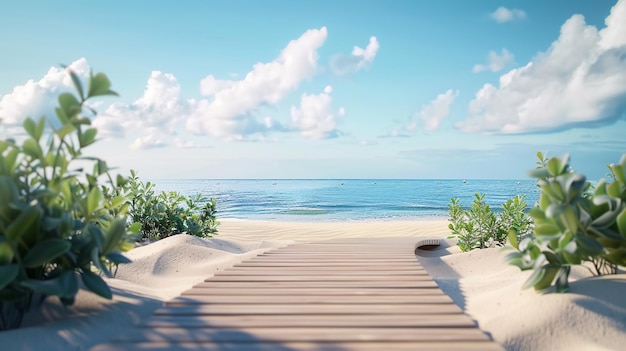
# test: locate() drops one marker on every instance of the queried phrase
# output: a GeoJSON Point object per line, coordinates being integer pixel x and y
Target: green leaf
{"type": "Point", "coordinates": [95, 284]}
{"type": "Point", "coordinates": [45, 251]}
{"type": "Point", "coordinates": [61, 116]}
{"type": "Point", "coordinates": [550, 272]}
{"type": "Point", "coordinates": [513, 238]}
{"type": "Point", "coordinates": [101, 167]}
{"type": "Point", "coordinates": [114, 235]}
{"type": "Point", "coordinates": [31, 148]}
{"type": "Point", "coordinates": [621, 222]}
{"type": "Point", "coordinates": [614, 190]}
{"type": "Point", "coordinates": [8, 191]}
{"type": "Point", "coordinates": [620, 175]}
{"type": "Point", "coordinates": [117, 258]}
{"type": "Point", "coordinates": [534, 278]}
{"type": "Point", "coordinates": [88, 137]}
{"type": "Point", "coordinates": [27, 221]}
{"type": "Point", "coordinates": [6, 252]}
{"type": "Point", "coordinates": [50, 287]}
{"type": "Point", "coordinates": [589, 246]}
{"type": "Point", "coordinates": [547, 231]}
{"type": "Point", "coordinates": [554, 166]}
{"type": "Point", "coordinates": [540, 155]}
{"type": "Point", "coordinates": [135, 227]}
{"type": "Point", "coordinates": [569, 218]}
{"type": "Point", "coordinates": [77, 84]}
{"type": "Point", "coordinates": [10, 159]}
{"type": "Point", "coordinates": [537, 214]}
{"type": "Point", "coordinates": [561, 279]}
{"type": "Point", "coordinates": [8, 273]}
{"type": "Point", "coordinates": [606, 220]}
{"type": "Point", "coordinates": [99, 85]}
{"type": "Point", "coordinates": [117, 201]}
{"type": "Point", "coordinates": [97, 261]}
{"type": "Point", "coordinates": [70, 105]}
{"type": "Point", "coordinates": [93, 200]}
{"type": "Point", "coordinates": [30, 127]}
{"type": "Point", "coordinates": [65, 130]}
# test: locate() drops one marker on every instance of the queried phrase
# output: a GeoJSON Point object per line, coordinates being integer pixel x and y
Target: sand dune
{"type": "Point", "coordinates": [591, 317]}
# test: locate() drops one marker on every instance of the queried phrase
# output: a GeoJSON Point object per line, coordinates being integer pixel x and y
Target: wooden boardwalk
{"type": "Point", "coordinates": [346, 294]}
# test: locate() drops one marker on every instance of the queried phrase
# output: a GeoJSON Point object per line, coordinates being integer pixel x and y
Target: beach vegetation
{"type": "Point", "coordinates": [575, 224]}
{"type": "Point", "coordinates": [59, 226]}
{"type": "Point", "coordinates": [169, 213]}
{"type": "Point", "coordinates": [479, 227]}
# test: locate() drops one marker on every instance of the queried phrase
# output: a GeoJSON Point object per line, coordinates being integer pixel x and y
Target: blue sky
{"type": "Point", "coordinates": [329, 89]}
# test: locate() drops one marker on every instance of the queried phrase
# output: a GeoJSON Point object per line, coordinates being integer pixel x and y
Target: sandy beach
{"type": "Point", "coordinates": [591, 317]}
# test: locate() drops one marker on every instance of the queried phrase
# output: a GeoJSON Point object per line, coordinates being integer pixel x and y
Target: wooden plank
{"type": "Point", "coordinates": [308, 299]}
{"type": "Point", "coordinates": [279, 321]}
{"type": "Point", "coordinates": [339, 284]}
{"type": "Point", "coordinates": [327, 259]}
{"type": "Point", "coordinates": [212, 290]}
{"type": "Point", "coordinates": [250, 334]}
{"type": "Point", "coordinates": [298, 309]}
{"type": "Point", "coordinates": [327, 272]}
{"type": "Point", "coordinates": [263, 345]}
{"type": "Point", "coordinates": [315, 278]}
{"type": "Point", "coordinates": [324, 269]}
{"type": "Point", "coordinates": [364, 265]}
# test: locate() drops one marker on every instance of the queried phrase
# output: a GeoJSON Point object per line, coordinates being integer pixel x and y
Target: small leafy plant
{"type": "Point", "coordinates": [574, 223]}
{"type": "Point", "coordinates": [169, 213]}
{"type": "Point", "coordinates": [57, 225]}
{"type": "Point", "coordinates": [479, 227]}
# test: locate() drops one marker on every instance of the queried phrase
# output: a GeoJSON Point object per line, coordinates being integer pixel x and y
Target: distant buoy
{"type": "Point", "coordinates": [464, 181]}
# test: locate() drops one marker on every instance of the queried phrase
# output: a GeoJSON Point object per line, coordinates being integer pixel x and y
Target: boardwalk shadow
{"type": "Point", "coordinates": [446, 277]}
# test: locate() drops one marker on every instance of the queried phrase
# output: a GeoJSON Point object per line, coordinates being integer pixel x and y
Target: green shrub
{"type": "Point", "coordinates": [479, 227]}
{"type": "Point", "coordinates": [169, 213]}
{"type": "Point", "coordinates": [57, 225]}
{"type": "Point", "coordinates": [574, 223]}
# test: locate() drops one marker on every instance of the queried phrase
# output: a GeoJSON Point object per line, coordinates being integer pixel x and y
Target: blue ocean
{"type": "Point", "coordinates": [331, 200]}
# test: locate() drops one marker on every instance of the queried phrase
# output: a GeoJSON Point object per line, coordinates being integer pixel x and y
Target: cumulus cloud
{"type": "Point", "coordinates": [150, 141]}
{"type": "Point", "coordinates": [228, 109]}
{"type": "Point", "coordinates": [160, 109]}
{"type": "Point", "coordinates": [502, 14]}
{"type": "Point", "coordinates": [431, 114]}
{"type": "Point", "coordinates": [228, 112]}
{"type": "Point", "coordinates": [579, 81]}
{"type": "Point", "coordinates": [189, 144]}
{"type": "Point", "coordinates": [38, 98]}
{"type": "Point", "coordinates": [357, 60]}
{"type": "Point", "coordinates": [495, 62]}
{"type": "Point", "coordinates": [315, 118]}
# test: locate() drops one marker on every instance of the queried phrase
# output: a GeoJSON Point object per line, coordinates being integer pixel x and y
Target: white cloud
{"type": "Point", "coordinates": [229, 109]}
{"type": "Point", "coordinates": [431, 114]}
{"type": "Point", "coordinates": [359, 59]}
{"type": "Point", "coordinates": [189, 144]}
{"type": "Point", "coordinates": [160, 108]}
{"type": "Point", "coordinates": [502, 14]}
{"type": "Point", "coordinates": [368, 142]}
{"type": "Point", "coordinates": [227, 114]}
{"type": "Point", "coordinates": [580, 81]}
{"type": "Point", "coordinates": [315, 118]}
{"type": "Point", "coordinates": [495, 62]}
{"type": "Point", "coordinates": [38, 98]}
{"type": "Point", "coordinates": [149, 141]}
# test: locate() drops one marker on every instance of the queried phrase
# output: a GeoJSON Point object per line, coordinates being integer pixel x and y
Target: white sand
{"type": "Point", "coordinates": [591, 317]}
